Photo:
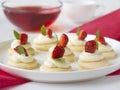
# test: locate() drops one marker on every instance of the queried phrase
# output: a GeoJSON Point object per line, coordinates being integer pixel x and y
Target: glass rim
{"type": "Point", "coordinates": [55, 7]}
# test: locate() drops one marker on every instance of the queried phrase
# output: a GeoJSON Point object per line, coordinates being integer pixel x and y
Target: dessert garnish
{"type": "Point", "coordinates": [21, 50]}
{"type": "Point", "coordinates": [58, 52]}
{"type": "Point", "coordinates": [22, 37]}
{"type": "Point", "coordinates": [91, 46]}
{"type": "Point", "coordinates": [45, 32]}
{"type": "Point", "coordinates": [63, 40]}
{"type": "Point", "coordinates": [62, 43]}
{"type": "Point", "coordinates": [81, 34]}
{"type": "Point", "coordinates": [100, 38]}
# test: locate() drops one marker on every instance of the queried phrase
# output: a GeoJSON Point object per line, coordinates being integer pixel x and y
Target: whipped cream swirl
{"type": "Point", "coordinates": [60, 63]}
{"type": "Point", "coordinates": [41, 39]}
{"type": "Point", "coordinates": [104, 48]}
{"type": "Point", "coordinates": [73, 40]}
{"type": "Point", "coordinates": [85, 56]}
{"type": "Point", "coordinates": [16, 43]}
{"type": "Point", "coordinates": [21, 58]}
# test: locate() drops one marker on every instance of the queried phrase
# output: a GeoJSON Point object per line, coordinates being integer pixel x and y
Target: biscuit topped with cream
{"type": "Point", "coordinates": [91, 58]}
{"type": "Point", "coordinates": [21, 59]}
{"type": "Point", "coordinates": [104, 47]}
{"type": "Point", "coordinates": [68, 55]}
{"type": "Point", "coordinates": [55, 62]}
{"type": "Point", "coordinates": [45, 40]}
{"type": "Point", "coordinates": [77, 41]}
{"type": "Point", "coordinates": [21, 39]}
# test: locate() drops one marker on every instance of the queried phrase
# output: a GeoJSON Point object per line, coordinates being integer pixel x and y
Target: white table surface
{"type": "Point", "coordinates": [104, 83]}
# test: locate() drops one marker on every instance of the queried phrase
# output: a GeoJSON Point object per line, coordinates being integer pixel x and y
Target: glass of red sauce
{"type": "Point", "coordinates": [30, 15]}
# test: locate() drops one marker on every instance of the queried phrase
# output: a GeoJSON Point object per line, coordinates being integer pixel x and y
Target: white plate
{"type": "Point", "coordinates": [76, 75]}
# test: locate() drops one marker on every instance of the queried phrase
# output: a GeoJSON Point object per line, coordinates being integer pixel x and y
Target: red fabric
{"type": "Point", "coordinates": [115, 73]}
{"type": "Point", "coordinates": [7, 80]}
{"type": "Point", "coordinates": [109, 26]}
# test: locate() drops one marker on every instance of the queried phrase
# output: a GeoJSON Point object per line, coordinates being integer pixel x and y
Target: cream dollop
{"type": "Point", "coordinates": [49, 63]}
{"type": "Point", "coordinates": [21, 58]}
{"type": "Point", "coordinates": [85, 56]}
{"type": "Point", "coordinates": [73, 40]}
{"type": "Point", "coordinates": [16, 43]}
{"type": "Point", "coordinates": [104, 48]}
{"type": "Point", "coordinates": [60, 63]}
{"type": "Point", "coordinates": [41, 39]}
{"type": "Point", "coordinates": [67, 50]}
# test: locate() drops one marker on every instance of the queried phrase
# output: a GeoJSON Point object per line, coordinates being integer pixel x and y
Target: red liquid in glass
{"type": "Point", "coordinates": [31, 18]}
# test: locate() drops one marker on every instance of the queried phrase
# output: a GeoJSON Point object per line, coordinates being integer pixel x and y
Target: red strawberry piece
{"type": "Point", "coordinates": [63, 40]}
{"type": "Point", "coordinates": [23, 38]}
{"type": "Point", "coordinates": [16, 49]}
{"type": "Point", "coordinates": [58, 52]}
{"type": "Point", "coordinates": [82, 35]}
{"type": "Point", "coordinates": [101, 39]}
{"type": "Point", "coordinates": [90, 46]}
{"type": "Point", "coordinates": [49, 33]}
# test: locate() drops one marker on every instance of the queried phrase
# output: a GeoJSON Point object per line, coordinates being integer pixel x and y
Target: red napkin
{"type": "Point", "coordinates": [115, 73]}
{"type": "Point", "coordinates": [7, 80]}
{"type": "Point", "coordinates": [109, 26]}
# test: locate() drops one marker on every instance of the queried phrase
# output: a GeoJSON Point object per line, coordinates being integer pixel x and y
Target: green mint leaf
{"type": "Point", "coordinates": [97, 33]}
{"type": "Point", "coordinates": [21, 50]}
{"type": "Point", "coordinates": [97, 46]}
{"type": "Point", "coordinates": [16, 34]}
{"type": "Point", "coordinates": [43, 30]}
{"type": "Point", "coordinates": [78, 31]}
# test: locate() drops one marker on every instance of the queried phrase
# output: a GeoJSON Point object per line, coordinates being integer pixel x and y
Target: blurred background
{"type": "Point", "coordinates": [62, 24]}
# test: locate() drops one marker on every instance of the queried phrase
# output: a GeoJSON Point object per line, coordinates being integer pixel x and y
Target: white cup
{"type": "Point", "coordinates": [81, 11]}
